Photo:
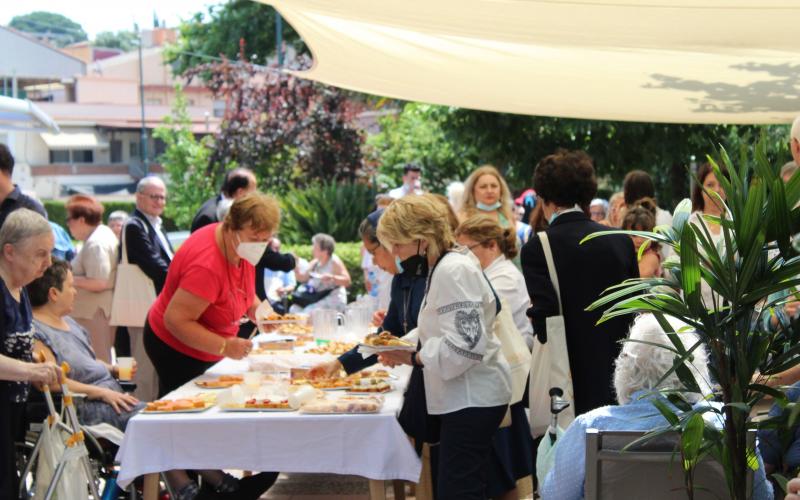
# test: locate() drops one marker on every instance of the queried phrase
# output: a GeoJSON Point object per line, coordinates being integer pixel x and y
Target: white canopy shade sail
{"type": "Point", "coordinates": [21, 114]}
{"type": "Point", "coordinates": [674, 61]}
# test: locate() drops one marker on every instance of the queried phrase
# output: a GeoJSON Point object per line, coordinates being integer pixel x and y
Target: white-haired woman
{"type": "Point", "coordinates": [26, 241]}
{"type": "Point", "coordinates": [638, 369]}
{"type": "Point", "coordinates": [326, 278]}
{"type": "Point", "coordinates": [467, 380]}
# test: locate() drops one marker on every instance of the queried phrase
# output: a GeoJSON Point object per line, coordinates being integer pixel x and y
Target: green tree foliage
{"type": "Point", "coordinates": [186, 161]}
{"type": "Point", "coordinates": [451, 141]}
{"type": "Point", "coordinates": [418, 134]}
{"type": "Point", "coordinates": [58, 28]}
{"type": "Point", "coordinates": [218, 33]}
{"type": "Point", "coordinates": [123, 40]}
{"type": "Point", "coordinates": [335, 208]}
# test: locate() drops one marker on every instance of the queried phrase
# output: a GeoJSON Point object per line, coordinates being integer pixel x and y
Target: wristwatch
{"type": "Point", "coordinates": [414, 361]}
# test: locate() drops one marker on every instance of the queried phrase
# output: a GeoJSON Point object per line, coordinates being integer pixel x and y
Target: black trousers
{"type": "Point", "coordinates": [174, 368]}
{"type": "Point", "coordinates": [11, 419]}
{"type": "Point", "coordinates": [464, 448]}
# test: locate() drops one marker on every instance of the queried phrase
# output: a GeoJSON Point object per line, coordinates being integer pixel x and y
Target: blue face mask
{"type": "Point", "coordinates": [488, 208]}
{"type": "Point", "coordinates": [399, 264]}
{"type": "Point", "coordinates": [552, 217]}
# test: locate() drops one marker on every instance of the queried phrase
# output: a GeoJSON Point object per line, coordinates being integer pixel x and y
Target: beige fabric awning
{"type": "Point", "coordinates": [678, 61]}
{"type": "Point", "coordinates": [76, 140]}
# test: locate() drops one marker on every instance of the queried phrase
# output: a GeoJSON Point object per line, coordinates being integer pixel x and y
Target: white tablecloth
{"type": "Point", "coordinates": [373, 446]}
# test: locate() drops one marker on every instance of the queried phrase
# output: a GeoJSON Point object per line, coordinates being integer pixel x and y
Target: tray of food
{"type": "Point", "coordinates": [295, 329]}
{"type": "Point", "coordinates": [273, 345]}
{"type": "Point", "coordinates": [334, 347]}
{"type": "Point", "coordinates": [221, 382]}
{"type": "Point", "coordinates": [193, 404]}
{"type": "Point", "coordinates": [326, 384]}
{"type": "Point", "coordinates": [283, 319]}
{"type": "Point", "coordinates": [268, 404]}
{"type": "Point", "coordinates": [344, 405]}
{"type": "Point", "coordinates": [370, 386]}
{"type": "Point", "coordinates": [385, 341]}
{"type": "Point", "coordinates": [372, 374]}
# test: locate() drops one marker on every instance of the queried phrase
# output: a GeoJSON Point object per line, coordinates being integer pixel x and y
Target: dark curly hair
{"type": "Point", "coordinates": [53, 277]}
{"type": "Point", "coordinates": [566, 178]}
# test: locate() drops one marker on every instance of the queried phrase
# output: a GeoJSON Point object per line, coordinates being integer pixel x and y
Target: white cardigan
{"type": "Point", "coordinates": [509, 283]}
{"type": "Point", "coordinates": [464, 366]}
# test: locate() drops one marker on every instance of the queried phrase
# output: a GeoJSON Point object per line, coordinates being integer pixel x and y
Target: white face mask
{"type": "Point", "coordinates": [251, 251]}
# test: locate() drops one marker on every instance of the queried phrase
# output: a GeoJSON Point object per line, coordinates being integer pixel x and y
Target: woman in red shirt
{"type": "Point", "coordinates": [210, 287]}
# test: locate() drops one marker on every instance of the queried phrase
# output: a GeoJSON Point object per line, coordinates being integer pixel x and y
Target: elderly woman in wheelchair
{"type": "Point", "coordinates": [638, 369]}
{"type": "Point", "coordinates": [60, 338]}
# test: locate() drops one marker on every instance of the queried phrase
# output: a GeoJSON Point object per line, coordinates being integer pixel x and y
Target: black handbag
{"type": "Point", "coordinates": [304, 298]}
{"type": "Point", "coordinates": [414, 417]}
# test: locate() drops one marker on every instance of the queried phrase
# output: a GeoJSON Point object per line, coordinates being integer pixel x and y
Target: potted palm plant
{"type": "Point", "coordinates": [753, 262]}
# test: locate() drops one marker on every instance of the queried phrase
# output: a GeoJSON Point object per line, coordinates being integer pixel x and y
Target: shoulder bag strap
{"type": "Point", "coordinates": [551, 268]}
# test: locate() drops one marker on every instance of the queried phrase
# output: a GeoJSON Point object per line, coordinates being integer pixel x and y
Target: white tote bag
{"type": "Point", "coordinates": [52, 451]}
{"type": "Point", "coordinates": [134, 292]}
{"type": "Point", "coordinates": [550, 362]}
{"type": "Point", "coordinates": [515, 350]}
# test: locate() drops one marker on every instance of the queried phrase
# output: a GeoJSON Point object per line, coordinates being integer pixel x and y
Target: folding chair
{"type": "Point", "coordinates": [652, 470]}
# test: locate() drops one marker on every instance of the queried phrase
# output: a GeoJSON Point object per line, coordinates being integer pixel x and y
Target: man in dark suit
{"type": "Point", "coordinates": [148, 247]}
{"type": "Point", "coordinates": [238, 182]}
{"type": "Point", "coordinates": [565, 184]}
{"type": "Point", "coordinates": [11, 198]}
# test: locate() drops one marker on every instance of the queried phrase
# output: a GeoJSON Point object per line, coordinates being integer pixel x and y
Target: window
{"type": "Point", "coordinates": [159, 148]}
{"type": "Point", "coordinates": [82, 156]}
{"type": "Point", "coordinates": [219, 109]}
{"type": "Point", "coordinates": [59, 156]}
{"type": "Point", "coordinates": [134, 150]}
{"type": "Point", "coordinates": [116, 151]}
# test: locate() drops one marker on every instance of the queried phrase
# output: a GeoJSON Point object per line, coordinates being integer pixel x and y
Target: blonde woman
{"type": "Point", "coordinates": [467, 380]}
{"type": "Point", "coordinates": [485, 191]}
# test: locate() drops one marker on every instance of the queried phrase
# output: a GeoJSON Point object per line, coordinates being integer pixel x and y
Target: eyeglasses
{"type": "Point", "coordinates": [470, 247]}
{"type": "Point", "coordinates": [372, 251]}
{"type": "Point", "coordinates": [156, 197]}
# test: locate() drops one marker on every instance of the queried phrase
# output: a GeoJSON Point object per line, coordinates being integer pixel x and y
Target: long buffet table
{"type": "Point", "coordinates": [369, 445]}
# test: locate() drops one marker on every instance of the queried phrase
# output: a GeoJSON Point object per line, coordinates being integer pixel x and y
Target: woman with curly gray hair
{"type": "Point", "coordinates": [638, 370]}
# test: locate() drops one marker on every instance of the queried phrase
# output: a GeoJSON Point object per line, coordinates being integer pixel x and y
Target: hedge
{"type": "Point", "coordinates": [57, 212]}
{"type": "Point", "coordinates": [349, 252]}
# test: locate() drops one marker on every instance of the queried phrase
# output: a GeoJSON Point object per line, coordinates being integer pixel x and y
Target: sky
{"type": "Point", "coordinates": [109, 15]}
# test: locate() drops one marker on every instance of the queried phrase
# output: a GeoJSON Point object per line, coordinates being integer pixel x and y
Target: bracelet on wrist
{"type": "Point", "coordinates": [224, 345]}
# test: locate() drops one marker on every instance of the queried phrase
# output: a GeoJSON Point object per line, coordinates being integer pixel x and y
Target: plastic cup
{"type": "Point", "coordinates": [125, 367]}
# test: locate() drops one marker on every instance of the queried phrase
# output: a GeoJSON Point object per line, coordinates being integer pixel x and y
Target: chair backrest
{"type": "Point", "coordinates": [651, 470]}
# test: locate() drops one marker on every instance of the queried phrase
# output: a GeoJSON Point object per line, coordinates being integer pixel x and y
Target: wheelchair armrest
{"type": "Point", "coordinates": [127, 386]}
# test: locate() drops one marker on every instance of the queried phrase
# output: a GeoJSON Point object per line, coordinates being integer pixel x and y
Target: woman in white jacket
{"type": "Point", "coordinates": [467, 381]}
{"type": "Point", "coordinates": [495, 246]}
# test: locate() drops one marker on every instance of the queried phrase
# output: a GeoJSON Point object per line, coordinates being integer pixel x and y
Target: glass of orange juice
{"type": "Point", "coordinates": [125, 367]}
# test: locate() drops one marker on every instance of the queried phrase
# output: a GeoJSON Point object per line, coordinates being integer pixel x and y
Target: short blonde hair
{"type": "Point", "coordinates": [468, 203]}
{"type": "Point", "coordinates": [416, 217]}
{"type": "Point", "coordinates": [483, 229]}
{"type": "Point", "coordinates": [256, 211]}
